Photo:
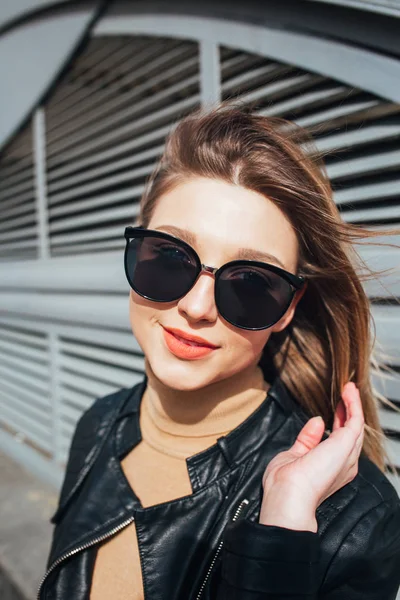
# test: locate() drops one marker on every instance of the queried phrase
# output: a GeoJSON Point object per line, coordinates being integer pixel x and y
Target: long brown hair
{"type": "Point", "coordinates": [328, 341]}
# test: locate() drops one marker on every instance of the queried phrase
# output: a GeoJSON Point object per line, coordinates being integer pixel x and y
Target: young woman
{"type": "Point", "coordinates": [248, 464]}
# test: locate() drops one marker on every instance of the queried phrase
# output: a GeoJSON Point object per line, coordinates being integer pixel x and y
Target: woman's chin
{"type": "Point", "coordinates": [184, 376]}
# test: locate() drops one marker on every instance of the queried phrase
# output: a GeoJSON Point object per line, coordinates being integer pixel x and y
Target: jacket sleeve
{"type": "Point", "coordinates": [263, 562]}
{"type": "Point", "coordinates": [367, 563]}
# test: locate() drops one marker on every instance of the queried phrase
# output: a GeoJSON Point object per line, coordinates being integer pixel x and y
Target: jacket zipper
{"type": "Point", "coordinates": [218, 550]}
{"type": "Point", "coordinates": [117, 528]}
{"type": "Point", "coordinates": [96, 540]}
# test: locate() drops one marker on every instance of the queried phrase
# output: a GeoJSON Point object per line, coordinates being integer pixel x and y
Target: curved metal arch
{"type": "Point", "coordinates": [357, 67]}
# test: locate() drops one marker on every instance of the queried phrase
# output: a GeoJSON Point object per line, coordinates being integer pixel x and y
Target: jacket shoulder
{"type": "Point", "coordinates": [359, 529]}
{"type": "Point", "coordinates": [369, 489]}
{"type": "Point", "coordinates": [90, 433]}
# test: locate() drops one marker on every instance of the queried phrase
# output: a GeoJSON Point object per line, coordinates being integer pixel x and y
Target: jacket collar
{"type": "Point", "coordinates": [229, 450]}
{"type": "Point", "coordinates": [97, 470]}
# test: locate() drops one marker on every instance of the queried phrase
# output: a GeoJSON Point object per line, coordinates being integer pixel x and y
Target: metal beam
{"type": "Point", "coordinates": [330, 58]}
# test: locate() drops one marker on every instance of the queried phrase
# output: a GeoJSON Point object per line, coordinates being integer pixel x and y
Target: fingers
{"type": "Point", "coordinates": [309, 436]}
{"type": "Point", "coordinates": [340, 416]}
{"type": "Point", "coordinates": [355, 415]}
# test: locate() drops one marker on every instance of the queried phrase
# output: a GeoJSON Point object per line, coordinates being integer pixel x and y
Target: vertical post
{"type": "Point", "coordinates": [39, 165]}
{"type": "Point", "coordinates": [54, 352]}
{"type": "Point", "coordinates": [210, 78]}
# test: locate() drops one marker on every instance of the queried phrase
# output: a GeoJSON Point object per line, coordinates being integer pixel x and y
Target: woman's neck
{"type": "Point", "coordinates": [214, 409]}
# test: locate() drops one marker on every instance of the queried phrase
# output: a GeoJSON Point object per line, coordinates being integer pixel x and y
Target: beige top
{"type": "Point", "coordinates": [157, 472]}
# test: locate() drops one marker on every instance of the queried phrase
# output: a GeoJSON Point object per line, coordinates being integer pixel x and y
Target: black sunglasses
{"type": "Point", "coordinates": [248, 294]}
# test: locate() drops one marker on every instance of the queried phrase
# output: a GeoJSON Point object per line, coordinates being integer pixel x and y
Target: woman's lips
{"type": "Point", "coordinates": [183, 348]}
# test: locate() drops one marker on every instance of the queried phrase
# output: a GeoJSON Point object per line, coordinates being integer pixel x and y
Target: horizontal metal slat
{"type": "Point", "coordinates": [346, 110]}
{"type": "Point", "coordinates": [110, 66]}
{"type": "Point", "coordinates": [387, 384]}
{"type": "Point", "coordinates": [136, 127]}
{"type": "Point", "coordinates": [22, 209]}
{"type": "Point", "coordinates": [15, 190]}
{"type": "Point", "coordinates": [365, 135]}
{"type": "Point", "coordinates": [23, 379]}
{"type": "Point", "coordinates": [95, 235]}
{"type": "Point", "coordinates": [390, 420]}
{"type": "Point", "coordinates": [21, 412]}
{"type": "Point", "coordinates": [10, 224]}
{"type": "Point", "coordinates": [89, 309]}
{"type": "Point", "coordinates": [97, 202]}
{"type": "Point", "coordinates": [87, 384]}
{"type": "Point", "coordinates": [113, 107]}
{"type": "Point", "coordinates": [36, 355]}
{"type": "Point", "coordinates": [237, 64]}
{"type": "Point", "coordinates": [80, 96]}
{"type": "Point", "coordinates": [29, 396]}
{"type": "Point", "coordinates": [372, 214]}
{"type": "Point", "coordinates": [94, 186]}
{"type": "Point", "coordinates": [11, 171]}
{"type": "Point", "coordinates": [76, 86]}
{"type": "Point", "coordinates": [100, 216]}
{"type": "Point", "coordinates": [29, 339]}
{"type": "Point", "coordinates": [99, 273]}
{"type": "Point", "coordinates": [387, 320]}
{"type": "Point", "coordinates": [25, 250]}
{"type": "Point", "coordinates": [40, 414]}
{"type": "Point", "coordinates": [24, 232]}
{"type": "Point", "coordinates": [23, 200]}
{"type": "Point", "coordinates": [9, 182]}
{"type": "Point", "coordinates": [351, 167]}
{"type": "Point", "coordinates": [253, 74]}
{"type": "Point", "coordinates": [35, 369]}
{"type": "Point", "coordinates": [372, 191]}
{"type": "Point", "coordinates": [24, 425]}
{"type": "Point", "coordinates": [69, 414]}
{"type": "Point", "coordinates": [121, 340]}
{"type": "Point", "coordinates": [303, 101]}
{"type": "Point", "coordinates": [97, 157]}
{"type": "Point", "coordinates": [63, 250]}
{"type": "Point", "coordinates": [109, 356]}
{"type": "Point", "coordinates": [279, 89]}
{"type": "Point", "coordinates": [393, 449]}
{"type": "Point", "coordinates": [88, 368]}
{"type": "Point", "coordinates": [123, 120]}
{"type": "Point", "coordinates": [82, 401]}
{"type": "Point", "coordinates": [96, 173]}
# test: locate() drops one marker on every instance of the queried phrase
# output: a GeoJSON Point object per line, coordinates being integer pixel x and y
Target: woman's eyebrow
{"type": "Point", "coordinates": [243, 253]}
{"type": "Point", "coordinates": [250, 254]}
{"type": "Point", "coordinates": [183, 234]}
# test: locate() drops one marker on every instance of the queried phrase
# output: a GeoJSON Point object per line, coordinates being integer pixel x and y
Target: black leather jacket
{"type": "Point", "coordinates": [209, 545]}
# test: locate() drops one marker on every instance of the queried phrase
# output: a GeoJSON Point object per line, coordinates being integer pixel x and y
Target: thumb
{"type": "Point", "coordinates": [309, 436]}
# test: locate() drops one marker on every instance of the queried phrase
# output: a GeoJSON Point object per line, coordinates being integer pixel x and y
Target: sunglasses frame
{"type": "Point", "coordinates": [295, 281]}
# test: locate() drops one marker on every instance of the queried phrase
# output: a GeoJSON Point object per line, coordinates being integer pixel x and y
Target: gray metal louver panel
{"type": "Point", "coordinates": [54, 372]}
{"type": "Point", "coordinates": [25, 385]}
{"type": "Point", "coordinates": [106, 127]}
{"type": "Point", "coordinates": [18, 235]}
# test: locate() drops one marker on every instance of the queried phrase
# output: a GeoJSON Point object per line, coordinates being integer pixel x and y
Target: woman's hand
{"type": "Point", "coordinates": [297, 480]}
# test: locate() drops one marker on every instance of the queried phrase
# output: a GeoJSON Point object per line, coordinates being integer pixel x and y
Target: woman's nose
{"type": "Point", "coordinates": [199, 303]}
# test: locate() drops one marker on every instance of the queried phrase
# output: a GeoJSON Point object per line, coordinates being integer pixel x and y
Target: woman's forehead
{"type": "Point", "coordinates": [214, 215]}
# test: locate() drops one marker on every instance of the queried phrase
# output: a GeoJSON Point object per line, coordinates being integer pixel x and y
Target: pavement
{"type": "Point", "coordinates": [26, 505]}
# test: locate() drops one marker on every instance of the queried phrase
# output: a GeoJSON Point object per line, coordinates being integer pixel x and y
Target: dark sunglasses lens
{"type": "Point", "coordinates": [159, 268]}
{"type": "Point", "coordinates": [252, 297]}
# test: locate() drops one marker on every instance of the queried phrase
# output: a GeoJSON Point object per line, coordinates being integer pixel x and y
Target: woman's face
{"type": "Point", "coordinates": [220, 218]}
